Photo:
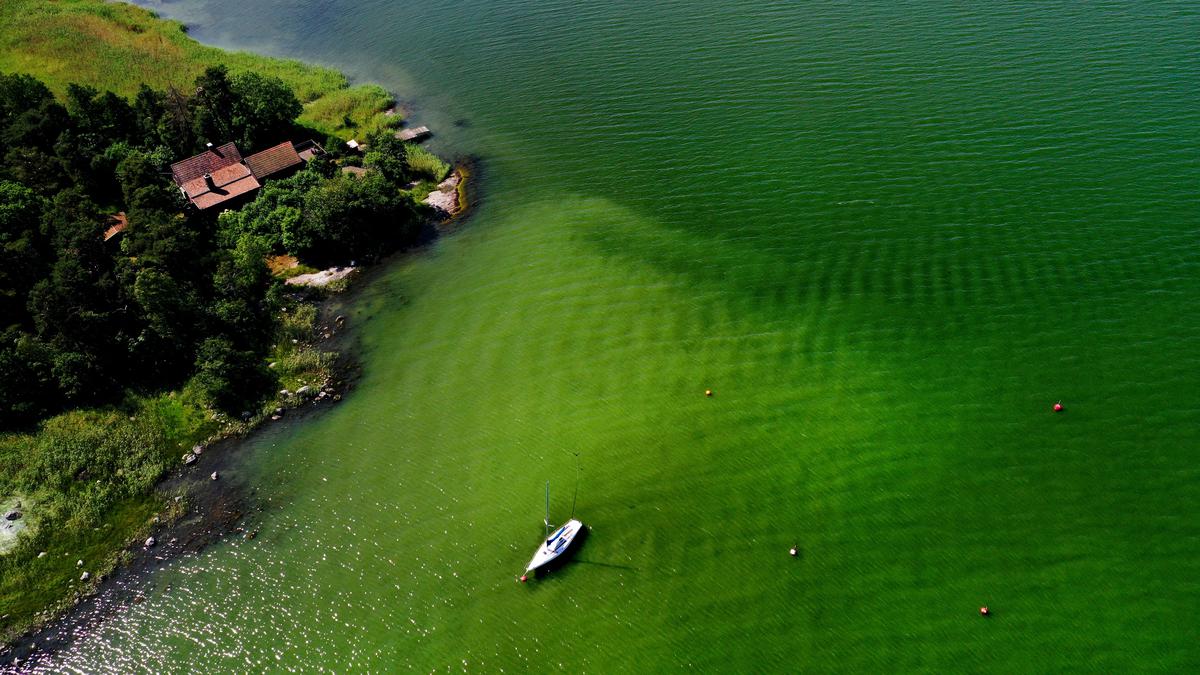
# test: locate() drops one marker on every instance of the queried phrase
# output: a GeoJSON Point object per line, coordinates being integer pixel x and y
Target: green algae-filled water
{"type": "Point", "coordinates": [887, 235]}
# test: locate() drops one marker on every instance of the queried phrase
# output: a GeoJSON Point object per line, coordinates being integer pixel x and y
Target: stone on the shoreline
{"type": "Point", "coordinates": [271, 364]}
{"type": "Point", "coordinates": [284, 392]}
{"type": "Point", "coordinates": [275, 418]}
{"type": "Point", "coordinates": [42, 555]}
{"type": "Point", "coordinates": [79, 563]}
{"type": "Point", "coordinates": [150, 542]}
{"type": "Point", "coordinates": [189, 459]}
{"type": "Point", "coordinates": [197, 449]}
{"type": "Point", "coordinates": [322, 278]}
{"type": "Point", "coordinates": [214, 475]}
{"type": "Point", "coordinates": [340, 320]}
{"type": "Point", "coordinates": [85, 576]}
{"type": "Point", "coordinates": [13, 515]}
{"type": "Point", "coordinates": [303, 390]}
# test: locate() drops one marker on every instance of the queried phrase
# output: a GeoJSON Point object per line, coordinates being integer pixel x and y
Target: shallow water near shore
{"type": "Point", "coordinates": [888, 236]}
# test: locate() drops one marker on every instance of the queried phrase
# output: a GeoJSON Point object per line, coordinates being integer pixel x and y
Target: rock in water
{"type": "Point", "coordinates": [13, 515]}
{"type": "Point", "coordinates": [214, 475]}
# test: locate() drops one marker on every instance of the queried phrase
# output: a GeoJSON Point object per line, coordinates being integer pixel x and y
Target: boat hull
{"type": "Point", "coordinates": [556, 544]}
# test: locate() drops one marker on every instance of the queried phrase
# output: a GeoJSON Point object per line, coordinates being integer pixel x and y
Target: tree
{"type": "Point", "coordinates": [212, 106]}
{"type": "Point", "coordinates": [21, 258]}
{"type": "Point", "coordinates": [264, 110]}
{"type": "Point", "coordinates": [228, 377]}
{"type": "Point", "coordinates": [240, 307]}
{"type": "Point", "coordinates": [28, 390]}
{"type": "Point", "coordinates": [389, 156]}
{"type": "Point", "coordinates": [349, 217]}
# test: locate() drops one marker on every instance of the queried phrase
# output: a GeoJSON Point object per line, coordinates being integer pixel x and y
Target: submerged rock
{"type": "Point", "coordinates": [214, 475]}
{"type": "Point", "coordinates": [13, 515]}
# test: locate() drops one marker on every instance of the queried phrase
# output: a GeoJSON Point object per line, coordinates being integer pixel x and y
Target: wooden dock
{"type": "Point", "coordinates": [414, 135]}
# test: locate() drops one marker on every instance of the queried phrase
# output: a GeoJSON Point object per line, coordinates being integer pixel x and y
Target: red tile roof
{"type": "Point", "coordinates": [274, 160]}
{"type": "Point", "coordinates": [209, 161]}
{"type": "Point", "coordinates": [117, 225]}
{"type": "Point", "coordinates": [225, 192]}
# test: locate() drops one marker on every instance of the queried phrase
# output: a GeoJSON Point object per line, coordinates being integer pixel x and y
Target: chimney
{"type": "Point", "coordinates": [209, 181]}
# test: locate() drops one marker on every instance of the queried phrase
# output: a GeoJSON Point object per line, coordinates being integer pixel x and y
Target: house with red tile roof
{"type": "Point", "coordinates": [219, 175]}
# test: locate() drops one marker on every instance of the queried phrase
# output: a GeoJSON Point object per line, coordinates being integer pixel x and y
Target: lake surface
{"type": "Point", "coordinates": [889, 236]}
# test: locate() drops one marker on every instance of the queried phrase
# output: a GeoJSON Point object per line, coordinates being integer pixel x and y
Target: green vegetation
{"type": "Point", "coordinates": [426, 163]}
{"type": "Point", "coordinates": [85, 477]}
{"type": "Point", "coordinates": [351, 112]}
{"type": "Point", "coordinates": [116, 356]}
{"type": "Point", "coordinates": [127, 46]}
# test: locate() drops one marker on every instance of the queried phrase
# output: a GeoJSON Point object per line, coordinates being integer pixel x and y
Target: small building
{"type": "Point", "coordinates": [116, 225]}
{"type": "Point", "coordinates": [215, 176]}
{"type": "Point", "coordinates": [220, 176]}
{"type": "Point", "coordinates": [309, 149]}
{"type": "Point", "coordinates": [274, 162]}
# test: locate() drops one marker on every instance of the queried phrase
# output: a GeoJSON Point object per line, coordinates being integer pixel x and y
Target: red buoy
{"type": "Point", "coordinates": [1058, 407]}
{"type": "Point", "coordinates": [524, 578]}
{"type": "Point", "coordinates": [983, 611]}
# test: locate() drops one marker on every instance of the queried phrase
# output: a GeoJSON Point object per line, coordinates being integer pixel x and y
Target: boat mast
{"type": "Point", "coordinates": [547, 520]}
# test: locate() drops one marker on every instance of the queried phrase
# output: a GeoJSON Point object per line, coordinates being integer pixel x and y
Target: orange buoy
{"type": "Point", "coordinates": [524, 578]}
{"type": "Point", "coordinates": [1058, 407]}
{"type": "Point", "coordinates": [983, 611]}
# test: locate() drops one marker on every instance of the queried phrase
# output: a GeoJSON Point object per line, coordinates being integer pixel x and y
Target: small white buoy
{"type": "Point", "coordinates": [794, 551]}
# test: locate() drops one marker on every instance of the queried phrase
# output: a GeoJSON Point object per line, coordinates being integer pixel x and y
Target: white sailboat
{"type": "Point", "coordinates": [555, 544]}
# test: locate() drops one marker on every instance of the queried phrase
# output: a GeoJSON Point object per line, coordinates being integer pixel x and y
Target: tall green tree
{"type": "Point", "coordinates": [212, 106]}
{"type": "Point", "coordinates": [265, 110]}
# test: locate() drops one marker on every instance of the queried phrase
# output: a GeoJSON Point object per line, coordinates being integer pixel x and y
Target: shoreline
{"type": "Point", "coordinates": [216, 510]}
{"type": "Point", "coordinates": [211, 510]}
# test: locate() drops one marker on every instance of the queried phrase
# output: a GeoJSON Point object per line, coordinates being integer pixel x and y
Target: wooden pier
{"type": "Point", "coordinates": [414, 135]}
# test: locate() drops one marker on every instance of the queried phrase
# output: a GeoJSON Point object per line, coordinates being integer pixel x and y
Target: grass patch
{"type": "Point", "coordinates": [426, 163]}
{"type": "Point", "coordinates": [89, 477]}
{"type": "Point", "coordinates": [126, 45]}
{"type": "Point", "coordinates": [298, 361]}
{"type": "Point", "coordinates": [354, 112]}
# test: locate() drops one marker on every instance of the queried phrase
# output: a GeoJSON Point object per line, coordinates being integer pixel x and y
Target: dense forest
{"type": "Point", "coordinates": [184, 296]}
